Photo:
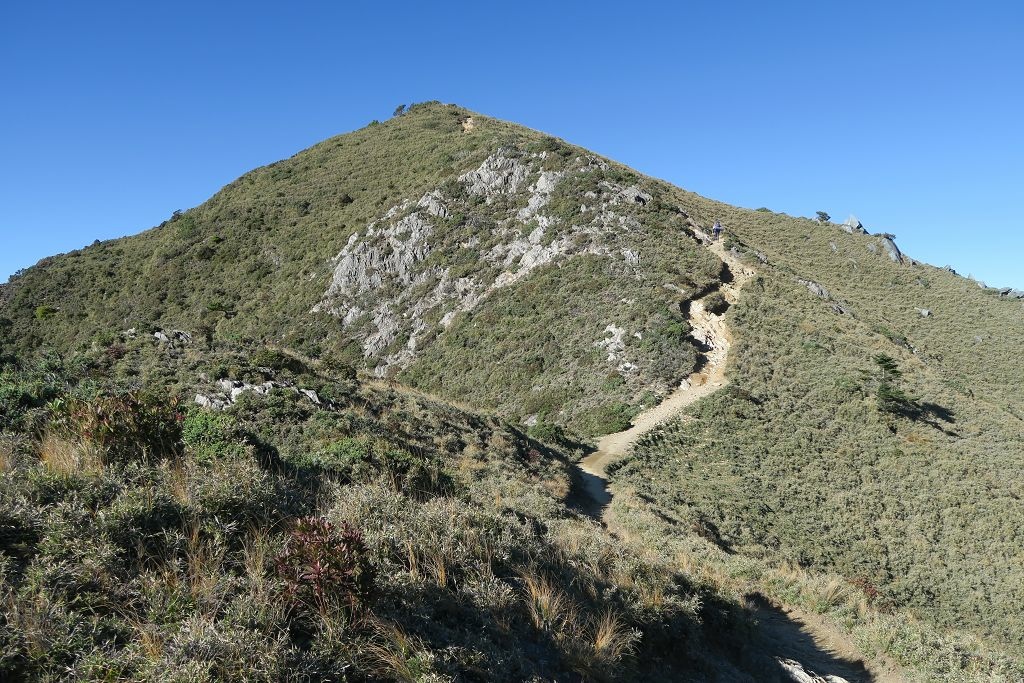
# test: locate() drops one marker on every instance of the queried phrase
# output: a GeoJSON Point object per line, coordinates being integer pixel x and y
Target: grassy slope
{"type": "Point", "coordinates": [797, 464]}
{"type": "Point", "coordinates": [149, 550]}
{"type": "Point", "coordinates": [799, 461]}
{"type": "Point", "coordinates": [261, 249]}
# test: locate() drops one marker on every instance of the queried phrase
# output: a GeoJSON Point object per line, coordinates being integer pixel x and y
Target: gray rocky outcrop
{"type": "Point", "coordinates": [227, 391]}
{"type": "Point", "coordinates": [500, 173]}
{"type": "Point", "coordinates": [394, 252]}
{"type": "Point", "coordinates": [889, 245]}
{"type": "Point", "coordinates": [433, 203]}
{"type": "Point", "coordinates": [853, 226]}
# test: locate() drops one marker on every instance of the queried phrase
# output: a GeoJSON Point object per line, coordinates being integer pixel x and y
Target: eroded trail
{"type": "Point", "coordinates": [801, 642]}
{"type": "Point", "coordinates": [711, 335]}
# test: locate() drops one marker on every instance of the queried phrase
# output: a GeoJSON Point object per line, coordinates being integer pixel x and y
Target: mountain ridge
{"type": "Point", "coordinates": [871, 428]}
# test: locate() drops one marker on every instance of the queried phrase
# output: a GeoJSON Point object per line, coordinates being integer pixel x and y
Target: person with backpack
{"type": "Point", "coordinates": [716, 230]}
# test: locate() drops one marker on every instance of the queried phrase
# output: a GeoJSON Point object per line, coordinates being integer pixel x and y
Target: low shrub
{"type": "Point", "coordinates": [209, 435]}
{"type": "Point", "coordinates": [127, 427]}
{"type": "Point", "coordinates": [715, 303]}
{"type": "Point", "coordinates": [324, 569]}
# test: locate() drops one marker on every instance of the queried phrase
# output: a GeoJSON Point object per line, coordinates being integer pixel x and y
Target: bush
{"type": "Point", "coordinates": [276, 360]}
{"type": "Point", "coordinates": [44, 312]}
{"type": "Point", "coordinates": [715, 303]}
{"type": "Point", "coordinates": [126, 427]}
{"type": "Point", "coordinates": [324, 569]}
{"type": "Point", "coordinates": [209, 435]}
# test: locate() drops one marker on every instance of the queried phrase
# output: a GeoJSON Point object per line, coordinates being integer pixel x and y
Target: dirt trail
{"type": "Point", "coordinates": [712, 336]}
{"type": "Point", "coordinates": [791, 633]}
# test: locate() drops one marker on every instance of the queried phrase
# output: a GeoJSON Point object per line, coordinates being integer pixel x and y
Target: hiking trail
{"type": "Point", "coordinates": [805, 639]}
{"type": "Point", "coordinates": [711, 335]}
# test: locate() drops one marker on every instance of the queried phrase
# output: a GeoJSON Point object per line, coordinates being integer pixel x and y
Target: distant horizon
{"type": "Point", "coordinates": [119, 114]}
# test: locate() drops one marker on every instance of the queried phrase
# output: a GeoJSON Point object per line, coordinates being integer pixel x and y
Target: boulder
{"type": "Point", "coordinates": [890, 247]}
{"type": "Point", "coordinates": [208, 402]}
{"type": "Point", "coordinates": [311, 395]}
{"type": "Point", "coordinates": [925, 312]}
{"type": "Point", "coordinates": [852, 225]}
{"type": "Point", "coordinates": [226, 385]}
{"type": "Point", "coordinates": [161, 337]}
{"type": "Point", "coordinates": [796, 672]}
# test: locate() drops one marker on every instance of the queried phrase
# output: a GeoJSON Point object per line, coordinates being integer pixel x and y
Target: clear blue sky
{"type": "Point", "coordinates": [908, 114]}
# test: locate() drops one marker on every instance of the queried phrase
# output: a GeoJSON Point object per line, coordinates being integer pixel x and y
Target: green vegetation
{"type": "Point", "coordinates": [355, 499]}
{"type": "Point", "coordinates": [386, 537]}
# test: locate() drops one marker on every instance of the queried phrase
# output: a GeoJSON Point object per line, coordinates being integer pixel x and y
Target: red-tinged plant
{"type": "Point", "coordinates": [325, 568]}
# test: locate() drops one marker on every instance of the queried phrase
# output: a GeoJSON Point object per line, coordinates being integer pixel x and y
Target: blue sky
{"type": "Point", "coordinates": [907, 114]}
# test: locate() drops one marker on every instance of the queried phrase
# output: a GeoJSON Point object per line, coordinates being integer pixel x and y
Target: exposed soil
{"type": "Point", "coordinates": [805, 640]}
{"type": "Point", "coordinates": [711, 336]}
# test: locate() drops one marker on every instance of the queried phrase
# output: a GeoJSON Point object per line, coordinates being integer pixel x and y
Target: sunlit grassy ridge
{"type": "Point", "coordinates": [797, 480]}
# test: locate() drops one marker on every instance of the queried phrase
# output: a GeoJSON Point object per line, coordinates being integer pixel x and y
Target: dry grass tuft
{"type": "Point", "coordinates": [394, 655]}
{"type": "Point", "coordinates": [63, 456]}
{"type": "Point", "coordinates": [548, 607]}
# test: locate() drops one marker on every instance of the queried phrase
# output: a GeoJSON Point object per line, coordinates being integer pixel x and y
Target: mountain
{"type": "Point", "coordinates": [406, 336]}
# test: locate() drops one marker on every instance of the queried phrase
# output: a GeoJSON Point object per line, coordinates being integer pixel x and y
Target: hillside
{"type": "Point", "coordinates": [470, 306]}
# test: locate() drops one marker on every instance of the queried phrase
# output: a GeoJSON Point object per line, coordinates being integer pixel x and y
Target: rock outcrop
{"type": "Point", "coordinates": [852, 225]}
{"type": "Point", "coordinates": [497, 248]}
{"type": "Point", "coordinates": [889, 245]}
{"type": "Point", "coordinates": [228, 391]}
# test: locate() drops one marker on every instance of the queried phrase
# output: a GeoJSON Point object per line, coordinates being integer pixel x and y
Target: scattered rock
{"type": "Point", "coordinates": [531, 420]}
{"type": "Point", "coordinates": [833, 247]}
{"type": "Point", "coordinates": [798, 674]}
{"type": "Point", "coordinates": [841, 309]}
{"type": "Point", "coordinates": [925, 312]}
{"type": "Point", "coordinates": [211, 403]}
{"type": "Point", "coordinates": [172, 336]}
{"type": "Point", "coordinates": [949, 269]}
{"type": "Point", "coordinates": [761, 257]}
{"type": "Point", "coordinates": [231, 389]}
{"type": "Point", "coordinates": [815, 288]}
{"type": "Point", "coordinates": [226, 385]}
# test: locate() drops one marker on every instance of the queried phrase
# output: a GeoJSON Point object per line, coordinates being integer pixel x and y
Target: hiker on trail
{"type": "Point", "coordinates": [716, 230]}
